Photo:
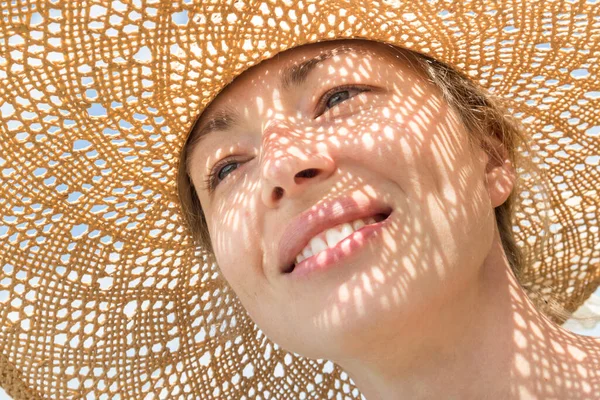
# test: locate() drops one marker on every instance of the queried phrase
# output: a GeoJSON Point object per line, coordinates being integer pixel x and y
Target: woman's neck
{"type": "Point", "coordinates": [489, 341]}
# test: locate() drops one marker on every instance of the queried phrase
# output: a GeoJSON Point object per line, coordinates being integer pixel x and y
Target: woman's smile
{"type": "Point", "coordinates": [323, 233]}
{"type": "Point", "coordinates": [352, 237]}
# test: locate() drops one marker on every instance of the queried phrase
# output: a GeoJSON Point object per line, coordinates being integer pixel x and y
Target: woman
{"type": "Point", "coordinates": [351, 213]}
{"type": "Point", "coordinates": [441, 279]}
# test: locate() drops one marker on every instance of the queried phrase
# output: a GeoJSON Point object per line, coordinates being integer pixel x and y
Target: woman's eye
{"type": "Point", "coordinates": [223, 172]}
{"type": "Point", "coordinates": [339, 95]}
{"type": "Point", "coordinates": [220, 172]}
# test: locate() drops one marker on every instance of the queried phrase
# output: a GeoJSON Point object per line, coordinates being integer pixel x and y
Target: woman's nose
{"type": "Point", "coordinates": [289, 165]}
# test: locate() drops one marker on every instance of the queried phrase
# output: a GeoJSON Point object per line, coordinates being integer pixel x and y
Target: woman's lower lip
{"type": "Point", "coordinates": [331, 256]}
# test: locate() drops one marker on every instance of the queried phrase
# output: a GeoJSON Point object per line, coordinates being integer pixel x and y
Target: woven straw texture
{"type": "Point", "coordinates": [102, 294]}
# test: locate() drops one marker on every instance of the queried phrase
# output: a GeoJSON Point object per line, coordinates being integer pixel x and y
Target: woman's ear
{"type": "Point", "coordinates": [500, 175]}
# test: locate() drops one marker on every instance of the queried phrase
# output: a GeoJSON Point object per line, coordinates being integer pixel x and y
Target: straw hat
{"type": "Point", "coordinates": [102, 293]}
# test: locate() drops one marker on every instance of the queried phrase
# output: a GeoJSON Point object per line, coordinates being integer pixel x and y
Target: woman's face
{"type": "Point", "coordinates": [328, 134]}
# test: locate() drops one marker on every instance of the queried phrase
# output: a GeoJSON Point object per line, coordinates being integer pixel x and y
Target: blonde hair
{"type": "Point", "coordinates": [484, 116]}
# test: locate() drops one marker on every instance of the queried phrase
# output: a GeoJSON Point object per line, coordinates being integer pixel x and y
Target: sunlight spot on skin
{"type": "Point", "coordinates": [408, 267]}
{"type": "Point", "coordinates": [350, 61]}
{"type": "Point", "coordinates": [557, 347]}
{"type": "Point", "coordinates": [322, 147]}
{"type": "Point", "coordinates": [333, 140]}
{"type": "Point", "coordinates": [375, 127]}
{"type": "Point", "coordinates": [366, 284]}
{"type": "Point", "coordinates": [577, 353]}
{"type": "Point", "coordinates": [582, 371]}
{"type": "Point", "coordinates": [436, 104]}
{"type": "Point", "coordinates": [388, 132]}
{"type": "Point", "coordinates": [344, 293]}
{"type": "Point", "coordinates": [450, 194]}
{"type": "Point", "coordinates": [522, 366]}
{"type": "Point", "coordinates": [586, 387]}
{"type": "Point", "coordinates": [418, 90]}
{"type": "Point", "coordinates": [269, 137]}
{"type": "Point", "coordinates": [514, 293]}
{"type": "Point", "coordinates": [370, 191]}
{"type": "Point", "coordinates": [363, 71]}
{"type": "Point", "coordinates": [520, 321]}
{"type": "Point", "coordinates": [378, 275]}
{"type": "Point", "coordinates": [520, 339]}
{"type": "Point", "coordinates": [415, 129]}
{"type": "Point", "coordinates": [389, 241]}
{"type": "Point", "coordinates": [524, 393]}
{"type": "Point", "coordinates": [279, 154]}
{"type": "Point", "coordinates": [399, 117]}
{"type": "Point", "coordinates": [260, 105]}
{"type": "Point", "coordinates": [296, 152]}
{"type": "Point", "coordinates": [419, 121]}
{"type": "Point", "coordinates": [386, 112]}
{"type": "Point", "coordinates": [308, 136]}
{"type": "Point", "coordinates": [342, 131]}
{"type": "Point", "coordinates": [277, 104]}
{"type": "Point", "coordinates": [232, 220]}
{"type": "Point", "coordinates": [368, 141]}
{"type": "Point", "coordinates": [565, 366]}
{"type": "Point", "coordinates": [407, 154]}
{"type": "Point", "coordinates": [359, 196]}
{"type": "Point", "coordinates": [536, 331]}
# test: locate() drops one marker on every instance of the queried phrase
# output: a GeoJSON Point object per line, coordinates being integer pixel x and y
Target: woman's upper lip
{"type": "Point", "coordinates": [320, 217]}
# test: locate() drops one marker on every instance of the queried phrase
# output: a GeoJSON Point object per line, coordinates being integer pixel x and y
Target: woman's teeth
{"type": "Point", "coordinates": [329, 238]}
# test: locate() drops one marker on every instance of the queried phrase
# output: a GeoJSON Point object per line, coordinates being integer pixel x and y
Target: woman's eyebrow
{"type": "Point", "coordinates": [298, 73]}
{"type": "Point", "coordinates": [220, 121]}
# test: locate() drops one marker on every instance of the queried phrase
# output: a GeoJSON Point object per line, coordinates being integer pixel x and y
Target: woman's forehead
{"type": "Point", "coordinates": [289, 69]}
{"type": "Point", "coordinates": [291, 66]}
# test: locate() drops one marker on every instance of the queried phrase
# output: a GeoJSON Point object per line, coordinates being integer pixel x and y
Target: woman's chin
{"type": "Point", "coordinates": [340, 329]}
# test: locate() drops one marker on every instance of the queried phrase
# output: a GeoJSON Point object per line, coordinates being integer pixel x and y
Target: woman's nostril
{"type": "Point", "coordinates": [307, 173]}
{"type": "Point", "coordinates": [277, 193]}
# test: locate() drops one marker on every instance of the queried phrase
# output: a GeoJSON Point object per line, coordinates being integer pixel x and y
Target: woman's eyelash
{"type": "Point", "coordinates": [212, 180]}
{"type": "Point", "coordinates": [336, 90]}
